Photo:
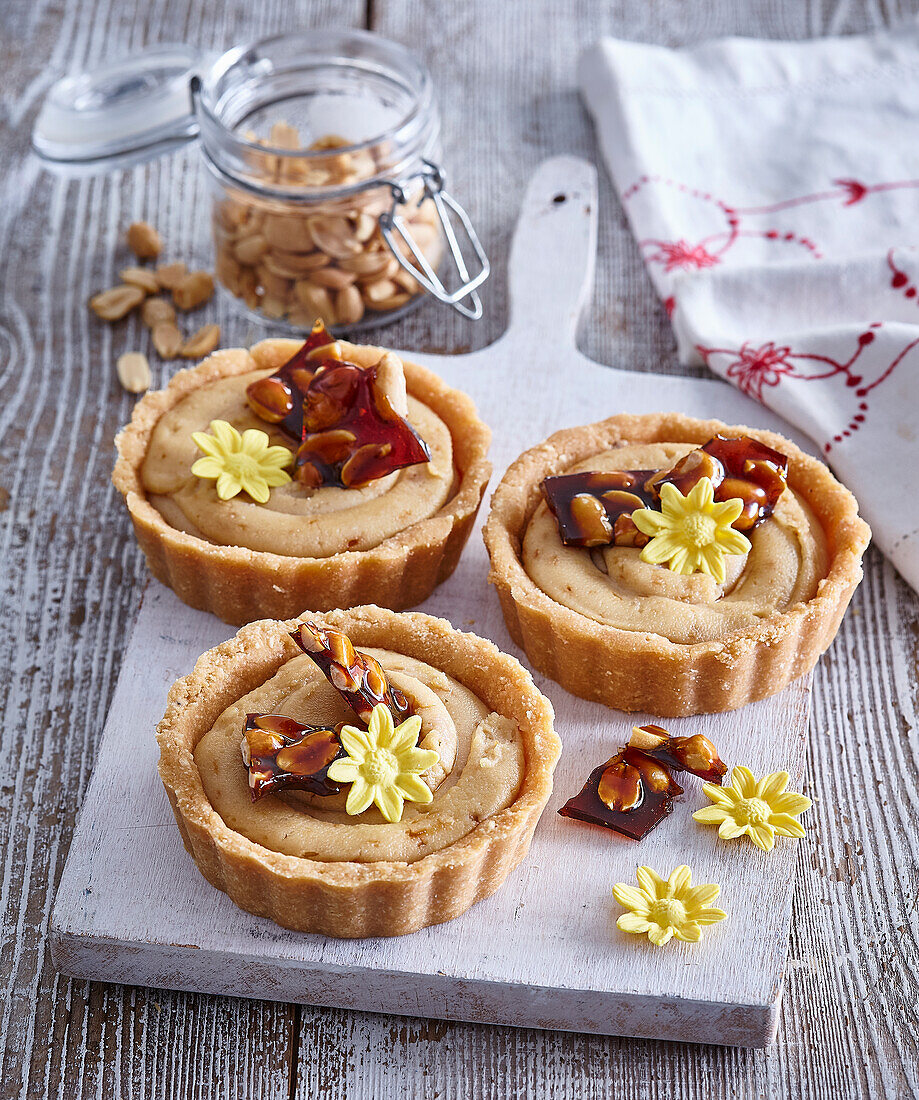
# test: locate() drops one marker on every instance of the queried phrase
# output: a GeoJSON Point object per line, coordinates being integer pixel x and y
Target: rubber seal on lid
{"type": "Point", "coordinates": [120, 107]}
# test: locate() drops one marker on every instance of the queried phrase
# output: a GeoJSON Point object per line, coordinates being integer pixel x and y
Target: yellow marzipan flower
{"type": "Point", "coordinates": [241, 463]}
{"type": "Point", "coordinates": [692, 534]}
{"type": "Point", "coordinates": [762, 810]}
{"type": "Point", "coordinates": [383, 764]}
{"type": "Point", "coordinates": [664, 909]}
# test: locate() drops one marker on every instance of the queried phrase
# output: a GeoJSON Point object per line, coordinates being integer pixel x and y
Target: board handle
{"type": "Point", "coordinates": [551, 268]}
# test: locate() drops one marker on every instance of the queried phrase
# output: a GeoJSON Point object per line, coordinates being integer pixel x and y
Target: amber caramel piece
{"type": "Point", "coordinates": [349, 432]}
{"type": "Point", "coordinates": [279, 397]}
{"type": "Point", "coordinates": [695, 754]}
{"type": "Point", "coordinates": [283, 754]}
{"type": "Point", "coordinates": [358, 677]}
{"type": "Point", "coordinates": [630, 793]}
{"type": "Point", "coordinates": [739, 467]}
{"type": "Point", "coordinates": [588, 506]}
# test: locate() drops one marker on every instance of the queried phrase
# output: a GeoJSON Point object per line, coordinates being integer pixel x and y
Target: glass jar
{"type": "Point", "coordinates": [323, 153]}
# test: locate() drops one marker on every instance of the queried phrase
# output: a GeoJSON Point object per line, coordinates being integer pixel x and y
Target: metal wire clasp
{"type": "Point", "coordinates": [391, 222]}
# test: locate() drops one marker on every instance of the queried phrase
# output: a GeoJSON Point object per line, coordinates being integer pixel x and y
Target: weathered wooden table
{"type": "Point", "coordinates": [73, 576]}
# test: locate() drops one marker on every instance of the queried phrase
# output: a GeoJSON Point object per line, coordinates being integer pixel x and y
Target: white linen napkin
{"type": "Point", "coordinates": [773, 188]}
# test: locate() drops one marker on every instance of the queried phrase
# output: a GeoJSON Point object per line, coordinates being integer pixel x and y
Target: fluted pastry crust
{"type": "Point", "coordinates": [637, 671]}
{"type": "Point", "coordinates": [238, 584]}
{"type": "Point", "coordinates": [348, 899]}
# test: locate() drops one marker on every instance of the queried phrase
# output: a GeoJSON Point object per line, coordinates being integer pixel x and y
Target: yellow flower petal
{"type": "Point", "coordinates": [772, 785]}
{"type": "Point", "coordinates": [762, 836]}
{"type": "Point", "coordinates": [743, 782]}
{"type": "Point", "coordinates": [723, 796]}
{"type": "Point", "coordinates": [659, 549]}
{"type": "Point", "coordinates": [733, 542]}
{"type": "Point", "coordinates": [730, 830]}
{"type": "Point", "coordinates": [709, 916]}
{"type": "Point", "coordinates": [256, 488]}
{"type": "Point", "coordinates": [343, 771]}
{"type": "Point", "coordinates": [360, 796]}
{"type": "Point", "coordinates": [786, 825]}
{"type": "Point", "coordinates": [228, 486]}
{"type": "Point", "coordinates": [651, 882]}
{"type": "Point", "coordinates": [207, 467]}
{"type": "Point", "coordinates": [632, 922]}
{"type": "Point", "coordinates": [226, 435]}
{"type": "Point", "coordinates": [789, 803]}
{"type": "Point", "coordinates": [405, 736]}
{"type": "Point", "coordinates": [690, 932]}
{"type": "Point", "coordinates": [711, 815]}
{"type": "Point", "coordinates": [659, 935]}
{"type": "Point", "coordinates": [205, 443]}
{"type": "Point", "coordinates": [414, 789]}
{"type": "Point", "coordinates": [679, 882]}
{"type": "Point", "coordinates": [631, 898]}
{"type": "Point", "coordinates": [389, 801]}
{"type": "Point", "coordinates": [699, 896]}
{"type": "Point", "coordinates": [355, 742]}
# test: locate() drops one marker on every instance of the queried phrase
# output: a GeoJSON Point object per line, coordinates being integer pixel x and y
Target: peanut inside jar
{"type": "Point", "coordinates": [318, 258]}
{"type": "Point", "coordinates": [481, 766]}
{"type": "Point", "coordinates": [786, 562]}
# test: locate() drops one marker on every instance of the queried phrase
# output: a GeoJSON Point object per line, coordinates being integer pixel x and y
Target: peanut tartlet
{"type": "Point", "coordinates": [302, 475]}
{"type": "Point", "coordinates": [360, 773]}
{"type": "Point", "coordinates": [673, 565]}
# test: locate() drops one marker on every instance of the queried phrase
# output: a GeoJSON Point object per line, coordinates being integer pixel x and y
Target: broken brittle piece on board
{"type": "Point", "coordinates": [695, 754]}
{"type": "Point", "coordinates": [630, 793]}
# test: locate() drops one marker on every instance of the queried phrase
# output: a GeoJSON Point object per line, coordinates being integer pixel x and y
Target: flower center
{"type": "Point", "coordinates": [699, 529]}
{"type": "Point", "coordinates": [751, 811]}
{"type": "Point", "coordinates": [240, 465]}
{"type": "Point", "coordinates": [379, 767]}
{"type": "Point", "coordinates": [667, 912]}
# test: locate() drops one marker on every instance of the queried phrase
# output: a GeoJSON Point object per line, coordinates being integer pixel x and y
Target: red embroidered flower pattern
{"type": "Point", "coordinates": [757, 367]}
{"type": "Point", "coordinates": [681, 255]}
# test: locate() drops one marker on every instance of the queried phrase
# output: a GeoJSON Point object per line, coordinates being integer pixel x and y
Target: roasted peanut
{"type": "Point", "coordinates": [193, 290]}
{"type": "Point", "coordinates": [113, 304]}
{"type": "Point", "coordinates": [133, 371]}
{"type": "Point", "coordinates": [169, 275]}
{"type": "Point", "coordinates": [140, 277]}
{"type": "Point", "coordinates": [156, 310]}
{"type": "Point", "coordinates": [204, 341]}
{"type": "Point", "coordinates": [144, 241]}
{"type": "Point", "coordinates": [166, 339]}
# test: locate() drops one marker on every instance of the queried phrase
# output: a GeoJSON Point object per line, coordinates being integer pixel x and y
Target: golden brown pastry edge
{"type": "Point", "coordinates": [355, 899]}
{"type": "Point", "coordinates": [634, 671]}
{"type": "Point", "coordinates": [240, 585]}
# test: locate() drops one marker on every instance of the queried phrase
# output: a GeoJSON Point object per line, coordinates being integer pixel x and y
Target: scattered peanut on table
{"type": "Point", "coordinates": [144, 286]}
{"type": "Point", "coordinates": [133, 371]}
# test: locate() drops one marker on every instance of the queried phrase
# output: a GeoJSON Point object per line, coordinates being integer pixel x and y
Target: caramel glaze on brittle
{"type": "Point", "coordinates": [283, 754]}
{"type": "Point", "coordinates": [358, 677]}
{"type": "Point", "coordinates": [634, 790]}
{"type": "Point", "coordinates": [349, 432]}
{"type": "Point", "coordinates": [594, 508]}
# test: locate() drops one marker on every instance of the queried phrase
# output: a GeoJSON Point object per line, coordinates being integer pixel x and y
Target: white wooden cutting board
{"type": "Point", "coordinates": [545, 950]}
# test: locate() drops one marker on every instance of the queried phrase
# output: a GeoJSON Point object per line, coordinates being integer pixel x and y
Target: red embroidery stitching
{"type": "Point", "coordinates": [753, 369]}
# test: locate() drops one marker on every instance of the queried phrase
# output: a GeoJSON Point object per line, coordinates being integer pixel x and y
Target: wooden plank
{"type": "Point", "coordinates": [132, 908]}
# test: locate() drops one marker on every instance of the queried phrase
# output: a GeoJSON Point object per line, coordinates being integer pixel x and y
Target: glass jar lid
{"type": "Point", "coordinates": [120, 107]}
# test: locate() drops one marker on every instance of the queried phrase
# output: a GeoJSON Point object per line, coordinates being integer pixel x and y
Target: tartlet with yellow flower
{"type": "Point", "coordinates": [358, 773]}
{"type": "Point", "coordinates": [673, 565]}
{"type": "Point", "coordinates": [294, 475]}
